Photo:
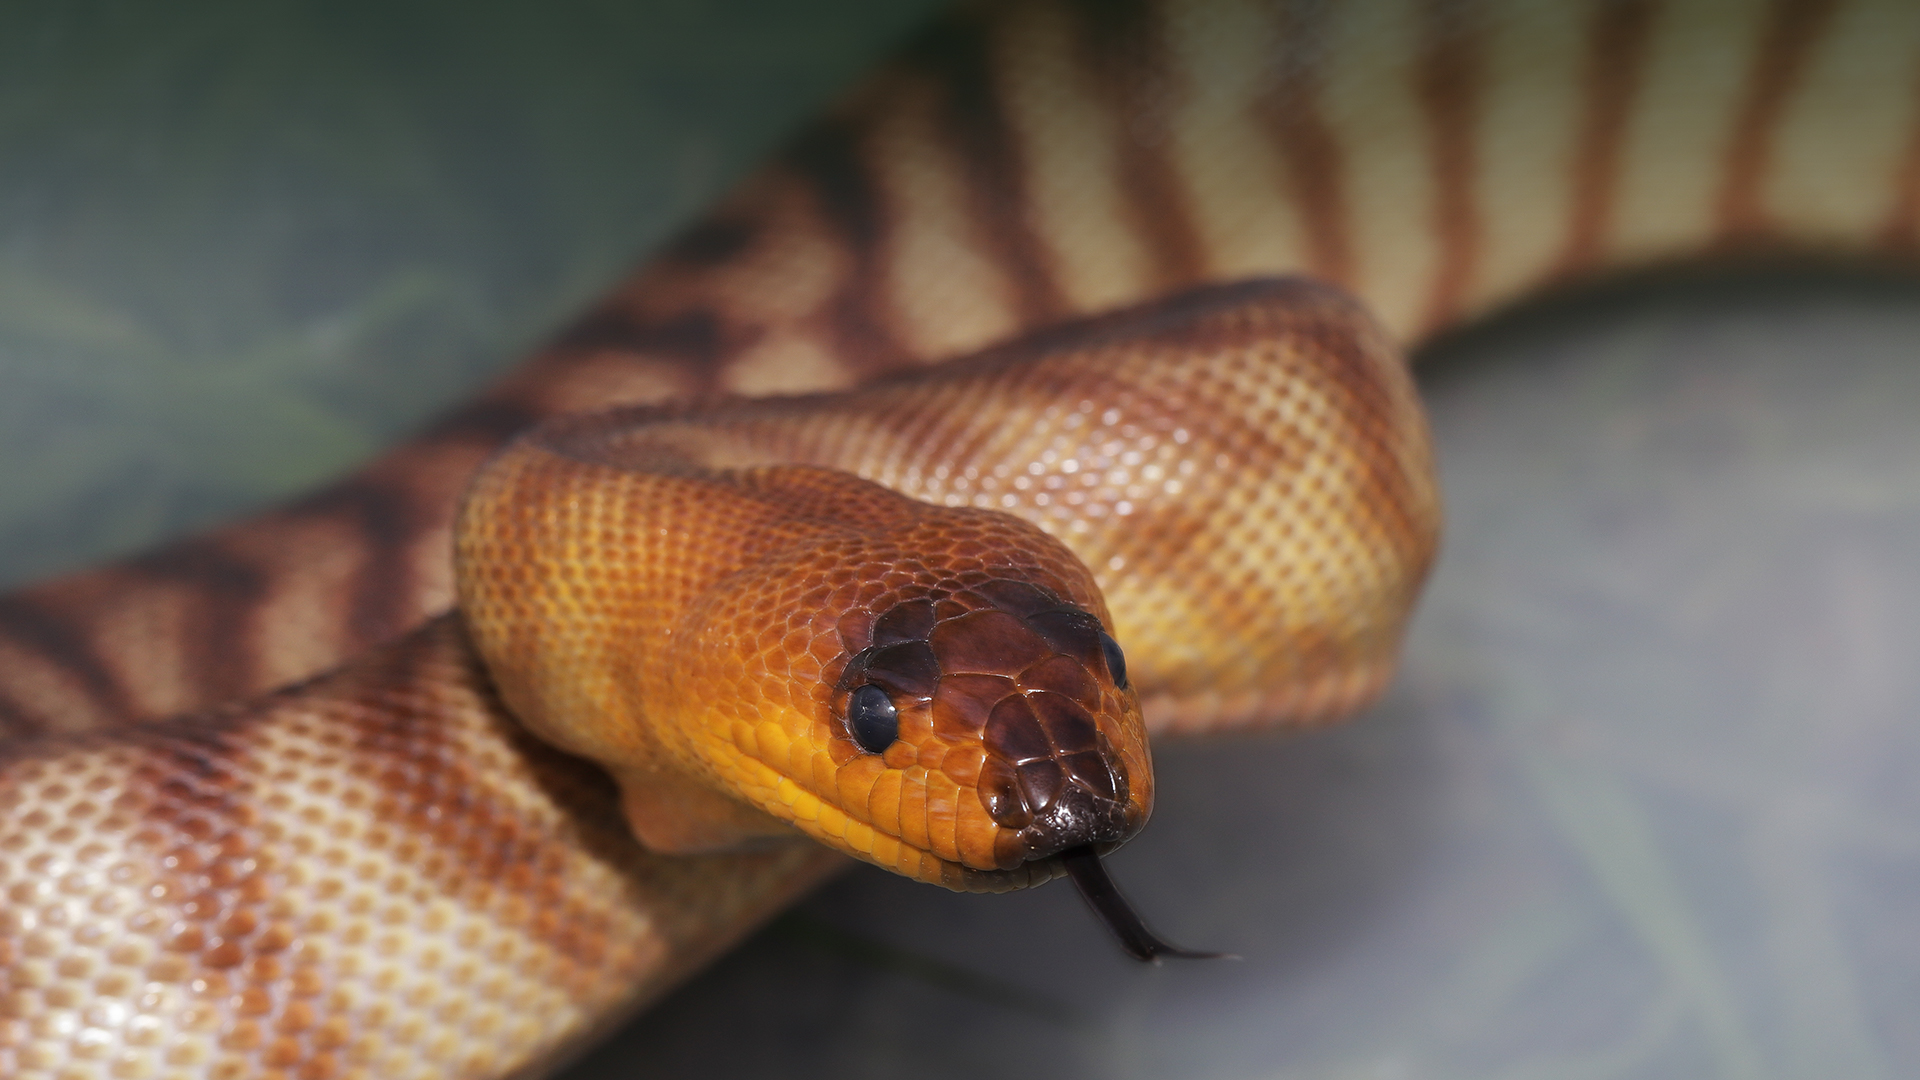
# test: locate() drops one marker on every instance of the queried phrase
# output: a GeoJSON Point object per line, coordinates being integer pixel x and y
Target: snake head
{"type": "Point", "coordinates": [940, 696]}
{"type": "Point", "coordinates": [1023, 698]}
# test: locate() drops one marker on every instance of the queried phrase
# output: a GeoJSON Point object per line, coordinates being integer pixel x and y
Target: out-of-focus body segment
{"type": "Point", "coordinates": [377, 874]}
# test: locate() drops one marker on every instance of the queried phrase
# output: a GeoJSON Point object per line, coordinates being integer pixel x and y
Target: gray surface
{"type": "Point", "coordinates": [1639, 808]}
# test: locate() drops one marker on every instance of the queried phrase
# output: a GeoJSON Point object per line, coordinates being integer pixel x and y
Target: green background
{"type": "Point", "coordinates": [244, 245]}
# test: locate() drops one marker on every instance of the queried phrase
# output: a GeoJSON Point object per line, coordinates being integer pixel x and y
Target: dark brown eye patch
{"type": "Point", "coordinates": [1020, 598]}
{"type": "Point", "coordinates": [912, 653]}
{"type": "Point", "coordinates": [909, 621]}
{"type": "Point", "coordinates": [1078, 634]}
{"type": "Point", "coordinates": [908, 669]}
{"type": "Point", "coordinates": [1069, 630]}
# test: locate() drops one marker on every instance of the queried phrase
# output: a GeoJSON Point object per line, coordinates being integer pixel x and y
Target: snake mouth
{"type": "Point", "coordinates": [1084, 811]}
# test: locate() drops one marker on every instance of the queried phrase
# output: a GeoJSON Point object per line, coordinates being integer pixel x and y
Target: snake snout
{"type": "Point", "coordinates": [1076, 816]}
{"type": "Point", "coordinates": [1052, 777]}
{"type": "Point", "coordinates": [1039, 684]}
{"type": "Point", "coordinates": [983, 717]}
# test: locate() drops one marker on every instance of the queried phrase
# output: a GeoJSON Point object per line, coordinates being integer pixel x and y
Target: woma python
{"type": "Point", "coordinates": [377, 873]}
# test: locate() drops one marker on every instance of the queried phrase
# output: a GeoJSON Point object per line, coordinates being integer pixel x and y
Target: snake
{"type": "Point", "coordinates": [445, 769]}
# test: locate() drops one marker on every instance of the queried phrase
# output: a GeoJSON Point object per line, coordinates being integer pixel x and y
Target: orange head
{"type": "Point", "coordinates": [1010, 679]}
{"type": "Point", "coordinates": [932, 689]}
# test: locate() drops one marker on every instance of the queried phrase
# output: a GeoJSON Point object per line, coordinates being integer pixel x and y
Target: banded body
{"type": "Point", "coordinates": [1036, 161]}
{"type": "Point", "coordinates": [389, 872]}
{"type": "Point", "coordinates": [1019, 165]}
{"type": "Point", "coordinates": [1246, 465]}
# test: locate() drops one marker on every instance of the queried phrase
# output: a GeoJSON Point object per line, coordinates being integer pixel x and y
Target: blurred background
{"type": "Point", "coordinates": [1641, 805]}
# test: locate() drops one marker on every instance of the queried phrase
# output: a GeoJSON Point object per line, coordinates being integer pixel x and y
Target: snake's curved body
{"type": "Point", "coordinates": [317, 884]}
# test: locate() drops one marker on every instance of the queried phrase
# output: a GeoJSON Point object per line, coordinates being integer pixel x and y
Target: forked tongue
{"type": "Point", "coordinates": [1104, 898]}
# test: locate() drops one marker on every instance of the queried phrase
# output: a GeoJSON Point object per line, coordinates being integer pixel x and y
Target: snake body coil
{"type": "Point", "coordinates": [378, 873]}
{"type": "Point", "coordinates": [650, 593]}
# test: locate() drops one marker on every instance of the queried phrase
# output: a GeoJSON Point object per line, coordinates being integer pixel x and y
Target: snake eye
{"type": "Point", "coordinates": [1116, 660]}
{"type": "Point", "coordinates": [871, 719]}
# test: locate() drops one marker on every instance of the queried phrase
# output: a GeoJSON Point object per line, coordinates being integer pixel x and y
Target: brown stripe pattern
{"type": "Point", "coordinates": [379, 875]}
{"type": "Point", "coordinates": [1123, 46]}
{"type": "Point", "coordinates": [1315, 173]}
{"type": "Point", "coordinates": [1449, 78]}
{"type": "Point", "coordinates": [1792, 35]}
{"type": "Point", "coordinates": [786, 287]}
{"type": "Point", "coordinates": [1616, 60]}
{"type": "Point", "coordinates": [1901, 232]}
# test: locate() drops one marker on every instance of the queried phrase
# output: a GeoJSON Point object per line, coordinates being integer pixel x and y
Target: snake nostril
{"type": "Point", "coordinates": [1000, 794]}
{"type": "Point", "coordinates": [1076, 816]}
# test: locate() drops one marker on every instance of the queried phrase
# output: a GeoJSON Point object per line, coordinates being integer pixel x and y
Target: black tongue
{"type": "Point", "coordinates": [1104, 898]}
